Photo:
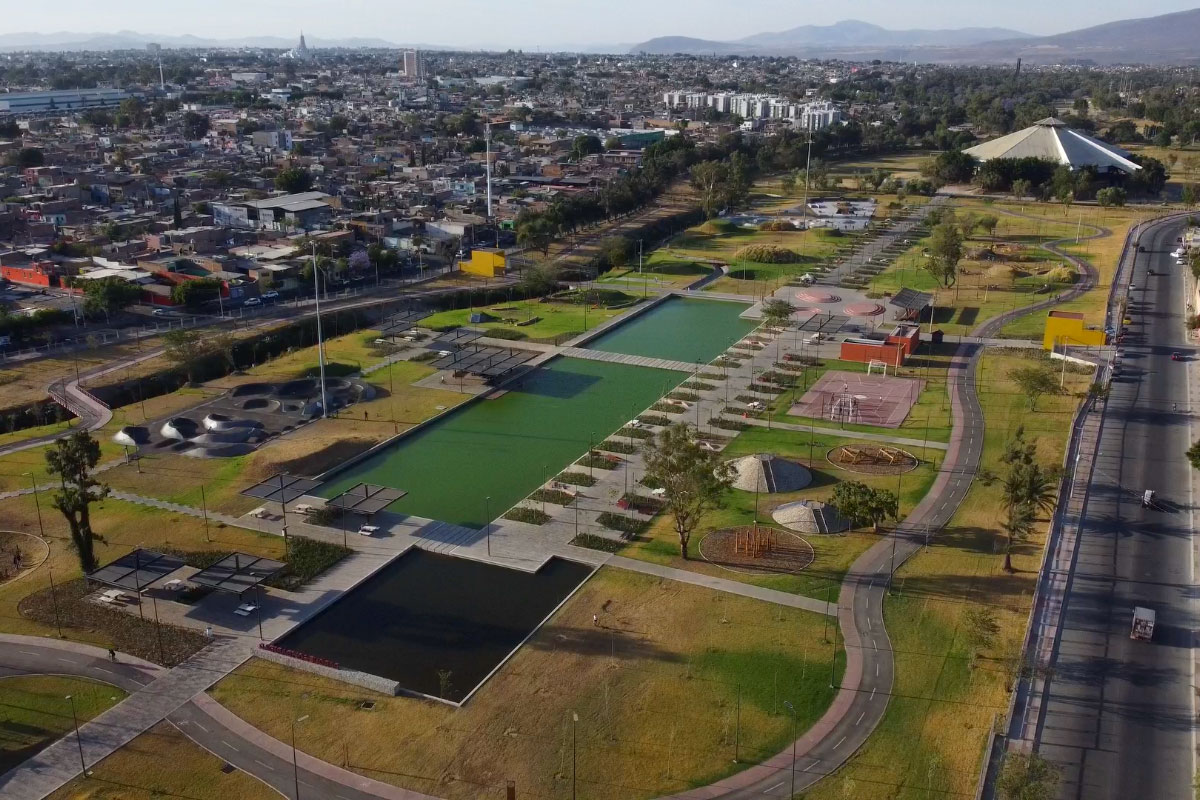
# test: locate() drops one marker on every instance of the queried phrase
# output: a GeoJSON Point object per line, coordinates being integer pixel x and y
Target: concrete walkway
{"type": "Point", "coordinates": [622, 358]}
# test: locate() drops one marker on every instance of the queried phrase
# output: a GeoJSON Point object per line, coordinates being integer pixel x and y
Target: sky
{"type": "Point", "coordinates": [552, 24]}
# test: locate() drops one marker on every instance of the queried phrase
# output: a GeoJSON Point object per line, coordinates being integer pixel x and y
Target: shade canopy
{"type": "Point", "coordinates": [136, 570]}
{"type": "Point", "coordinates": [1052, 140]}
{"type": "Point", "coordinates": [282, 488]}
{"type": "Point", "coordinates": [238, 572]}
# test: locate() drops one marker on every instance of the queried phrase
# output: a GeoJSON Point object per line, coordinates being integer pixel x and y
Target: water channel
{"type": "Point", "coordinates": [502, 447]}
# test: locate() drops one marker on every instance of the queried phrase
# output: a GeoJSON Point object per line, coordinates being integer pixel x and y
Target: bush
{"type": "Point", "coordinates": [506, 333]}
{"type": "Point", "coordinates": [699, 386]}
{"type": "Point", "coordinates": [594, 542]}
{"type": "Point", "coordinates": [617, 446]}
{"type": "Point", "coordinates": [683, 395]}
{"type": "Point", "coordinates": [636, 433]}
{"type": "Point", "coordinates": [628, 526]}
{"type": "Point", "coordinates": [533, 516]}
{"type": "Point", "coordinates": [768, 254]}
{"type": "Point", "coordinates": [306, 559]}
{"type": "Point", "coordinates": [711, 376]}
{"type": "Point", "coordinates": [576, 479]}
{"type": "Point", "coordinates": [597, 460]}
{"type": "Point", "coordinates": [555, 496]}
{"type": "Point", "coordinates": [654, 419]}
{"type": "Point", "coordinates": [642, 504]}
{"type": "Point", "coordinates": [668, 408]}
{"type": "Point", "coordinates": [728, 424]}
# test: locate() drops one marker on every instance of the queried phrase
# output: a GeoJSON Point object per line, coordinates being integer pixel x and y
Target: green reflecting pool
{"type": "Point", "coordinates": [679, 329]}
{"type": "Point", "coordinates": [498, 447]}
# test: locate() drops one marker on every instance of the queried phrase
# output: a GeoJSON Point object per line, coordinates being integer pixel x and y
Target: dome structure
{"type": "Point", "coordinates": [764, 472]}
{"type": "Point", "coordinates": [1052, 140]}
{"type": "Point", "coordinates": [810, 516]}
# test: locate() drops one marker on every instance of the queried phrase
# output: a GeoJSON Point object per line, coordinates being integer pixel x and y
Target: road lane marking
{"type": "Point", "coordinates": [872, 695]}
{"type": "Point", "coordinates": [839, 744]}
{"type": "Point", "coordinates": [873, 645]}
{"type": "Point", "coordinates": [772, 788]}
{"type": "Point", "coordinates": [231, 747]}
{"type": "Point", "coordinates": [877, 669]}
{"type": "Point", "coordinates": [29, 652]}
{"type": "Point", "coordinates": [201, 727]}
{"type": "Point", "coordinates": [65, 660]}
{"type": "Point", "coordinates": [104, 669]}
{"type": "Point", "coordinates": [860, 717]}
{"type": "Point", "coordinates": [264, 764]}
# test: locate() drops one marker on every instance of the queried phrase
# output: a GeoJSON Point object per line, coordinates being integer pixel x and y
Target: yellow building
{"type": "Point", "coordinates": [485, 261]}
{"type": "Point", "coordinates": [1066, 329]}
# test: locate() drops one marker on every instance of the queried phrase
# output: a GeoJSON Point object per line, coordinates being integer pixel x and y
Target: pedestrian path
{"type": "Point", "coordinates": [870, 437]}
{"type": "Point", "coordinates": [59, 763]}
{"type": "Point", "coordinates": [623, 358]}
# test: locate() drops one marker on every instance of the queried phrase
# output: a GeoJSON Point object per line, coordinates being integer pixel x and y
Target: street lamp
{"type": "Point", "coordinates": [42, 532]}
{"type": "Point", "coordinates": [792, 710]}
{"type": "Point", "coordinates": [487, 515]}
{"type": "Point", "coordinates": [78, 739]}
{"type": "Point", "coordinates": [320, 346]}
{"type": "Point", "coordinates": [574, 722]}
{"type": "Point", "coordinates": [295, 765]}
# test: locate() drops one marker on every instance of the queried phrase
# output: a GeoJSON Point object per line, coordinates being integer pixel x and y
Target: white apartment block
{"type": "Point", "coordinates": [810, 115]}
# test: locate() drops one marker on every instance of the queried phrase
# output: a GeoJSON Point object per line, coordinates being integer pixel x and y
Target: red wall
{"type": "Point", "coordinates": [891, 354]}
{"type": "Point", "coordinates": [29, 276]}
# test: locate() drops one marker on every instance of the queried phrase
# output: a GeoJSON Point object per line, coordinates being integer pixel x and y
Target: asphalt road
{"type": "Point", "coordinates": [1120, 714]}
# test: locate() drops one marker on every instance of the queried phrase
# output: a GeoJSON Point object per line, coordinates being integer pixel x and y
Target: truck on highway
{"type": "Point", "coordinates": [1143, 624]}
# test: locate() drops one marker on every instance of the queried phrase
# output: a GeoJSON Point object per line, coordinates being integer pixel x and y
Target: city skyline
{"type": "Point", "coordinates": [542, 24]}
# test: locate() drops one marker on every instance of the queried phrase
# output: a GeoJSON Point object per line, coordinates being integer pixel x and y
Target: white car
{"type": "Point", "coordinates": [369, 530]}
{"type": "Point", "coordinates": [271, 295]}
{"type": "Point", "coordinates": [252, 301]}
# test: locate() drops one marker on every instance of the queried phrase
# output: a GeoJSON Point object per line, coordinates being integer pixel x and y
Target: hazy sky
{"type": "Point", "coordinates": [551, 23]}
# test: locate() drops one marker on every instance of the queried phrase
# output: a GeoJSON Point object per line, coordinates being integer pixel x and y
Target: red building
{"type": "Point", "coordinates": [893, 349]}
{"type": "Point", "coordinates": [32, 273]}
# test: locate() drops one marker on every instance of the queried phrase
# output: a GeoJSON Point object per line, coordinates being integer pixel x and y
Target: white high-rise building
{"type": "Point", "coordinates": [412, 63]}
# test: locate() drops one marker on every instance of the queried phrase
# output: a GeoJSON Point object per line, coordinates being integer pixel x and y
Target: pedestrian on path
{"type": "Point", "coordinates": [112, 655]}
{"type": "Point", "coordinates": [208, 631]}
{"type": "Point", "coordinates": [596, 620]}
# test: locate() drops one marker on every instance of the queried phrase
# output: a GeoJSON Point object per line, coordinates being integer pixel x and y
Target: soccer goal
{"type": "Point", "coordinates": [881, 365]}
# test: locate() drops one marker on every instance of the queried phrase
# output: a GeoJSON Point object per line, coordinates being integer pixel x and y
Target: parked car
{"type": "Point", "coordinates": [161, 312]}
{"type": "Point", "coordinates": [271, 295]}
{"type": "Point", "coordinates": [1177, 356]}
{"type": "Point", "coordinates": [252, 301]}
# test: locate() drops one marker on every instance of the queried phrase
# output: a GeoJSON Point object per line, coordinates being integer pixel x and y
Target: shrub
{"type": "Point", "coordinates": [533, 516]}
{"type": "Point", "coordinates": [668, 408]}
{"type": "Point", "coordinates": [576, 479]}
{"type": "Point", "coordinates": [617, 446]}
{"type": "Point", "coordinates": [711, 376]}
{"type": "Point", "coordinates": [628, 526]}
{"type": "Point", "coordinates": [699, 386]}
{"type": "Point", "coordinates": [506, 333]}
{"type": "Point", "coordinates": [767, 254]}
{"type": "Point", "coordinates": [306, 559]}
{"type": "Point", "coordinates": [641, 504]}
{"type": "Point", "coordinates": [679, 394]}
{"type": "Point", "coordinates": [637, 433]}
{"type": "Point", "coordinates": [654, 419]}
{"type": "Point", "coordinates": [594, 542]}
{"type": "Point", "coordinates": [597, 460]}
{"type": "Point", "coordinates": [728, 424]}
{"type": "Point", "coordinates": [553, 496]}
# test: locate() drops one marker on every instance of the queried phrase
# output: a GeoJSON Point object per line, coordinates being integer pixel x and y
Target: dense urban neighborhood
{"type": "Point", "coordinates": [801, 416]}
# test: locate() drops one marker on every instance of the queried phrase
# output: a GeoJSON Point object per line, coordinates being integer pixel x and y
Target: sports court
{"type": "Point", "coordinates": [876, 399]}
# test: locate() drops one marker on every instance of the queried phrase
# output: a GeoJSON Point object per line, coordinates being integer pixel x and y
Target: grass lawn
{"type": "Point", "coordinates": [162, 763]}
{"type": "Point", "coordinates": [834, 554]}
{"type": "Point", "coordinates": [556, 321]}
{"type": "Point", "coordinates": [659, 271]}
{"type": "Point", "coordinates": [656, 688]}
{"type": "Point", "coordinates": [34, 711]}
{"type": "Point", "coordinates": [930, 742]}
{"type": "Point", "coordinates": [124, 526]}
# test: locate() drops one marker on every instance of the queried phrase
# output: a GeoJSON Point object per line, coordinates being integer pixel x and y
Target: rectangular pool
{"type": "Point", "coordinates": [679, 329]}
{"type": "Point", "coordinates": [500, 448]}
{"type": "Point", "coordinates": [427, 614]}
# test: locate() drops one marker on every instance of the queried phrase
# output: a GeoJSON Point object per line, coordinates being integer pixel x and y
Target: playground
{"type": "Point", "coordinates": [866, 399]}
{"type": "Point", "coordinates": [757, 550]}
{"type": "Point", "coordinates": [872, 459]}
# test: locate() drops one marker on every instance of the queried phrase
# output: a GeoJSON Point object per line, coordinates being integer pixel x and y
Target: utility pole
{"type": "Point", "coordinates": [487, 138]}
{"type": "Point", "coordinates": [320, 345]}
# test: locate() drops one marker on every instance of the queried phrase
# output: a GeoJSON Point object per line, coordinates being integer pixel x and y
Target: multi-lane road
{"type": "Point", "coordinates": [1119, 715]}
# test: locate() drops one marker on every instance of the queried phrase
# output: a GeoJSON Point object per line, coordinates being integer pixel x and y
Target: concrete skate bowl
{"type": "Point", "coordinates": [810, 516]}
{"type": "Point", "coordinates": [132, 436]}
{"type": "Point", "coordinates": [220, 422]}
{"type": "Point", "coordinates": [864, 310]}
{"type": "Point", "coordinates": [816, 296]}
{"type": "Point", "coordinates": [179, 428]}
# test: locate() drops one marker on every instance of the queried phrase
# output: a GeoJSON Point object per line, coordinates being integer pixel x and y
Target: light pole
{"type": "Point", "coordinates": [78, 739]}
{"type": "Point", "coordinates": [295, 765]}
{"type": "Point", "coordinates": [487, 515]}
{"type": "Point", "coordinates": [574, 722]}
{"type": "Point", "coordinates": [792, 710]}
{"type": "Point", "coordinates": [37, 505]}
{"type": "Point", "coordinates": [320, 346]}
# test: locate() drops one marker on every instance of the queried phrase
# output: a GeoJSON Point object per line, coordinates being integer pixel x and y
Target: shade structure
{"type": "Point", "coordinates": [763, 472]}
{"type": "Point", "coordinates": [136, 570]}
{"type": "Point", "coordinates": [238, 572]}
{"type": "Point", "coordinates": [281, 488]}
{"type": "Point", "coordinates": [1051, 139]}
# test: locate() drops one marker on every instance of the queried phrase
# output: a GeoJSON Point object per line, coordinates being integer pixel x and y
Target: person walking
{"type": "Point", "coordinates": [112, 655]}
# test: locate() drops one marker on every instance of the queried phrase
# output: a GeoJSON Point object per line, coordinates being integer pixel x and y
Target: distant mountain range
{"type": "Point", "coordinates": [1169, 38]}
{"type": "Point", "coordinates": [132, 40]}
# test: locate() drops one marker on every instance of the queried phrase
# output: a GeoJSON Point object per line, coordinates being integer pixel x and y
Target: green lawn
{"type": "Point", "coordinates": [834, 554]}
{"type": "Point", "coordinates": [555, 322]}
{"type": "Point", "coordinates": [34, 711]}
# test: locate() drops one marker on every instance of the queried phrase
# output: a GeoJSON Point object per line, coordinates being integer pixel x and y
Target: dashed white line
{"type": "Point", "coordinates": [839, 744]}
{"type": "Point", "coordinates": [877, 670]}
{"type": "Point", "coordinates": [872, 694]}
{"type": "Point", "coordinates": [231, 747]}
{"type": "Point", "coordinates": [860, 718]}
{"type": "Point", "coordinates": [874, 646]}
{"type": "Point", "coordinates": [104, 669]}
{"type": "Point", "coordinates": [772, 788]}
{"type": "Point", "coordinates": [264, 764]}
{"type": "Point", "coordinates": [201, 727]}
{"type": "Point", "coordinates": [29, 652]}
{"type": "Point", "coordinates": [65, 660]}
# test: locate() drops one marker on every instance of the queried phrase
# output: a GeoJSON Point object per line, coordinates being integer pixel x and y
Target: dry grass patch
{"type": "Point", "coordinates": [162, 763]}
{"type": "Point", "coordinates": [931, 740]}
{"type": "Point", "coordinates": [34, 711]}
{"type": "Point", "coordinates": [655, 686]}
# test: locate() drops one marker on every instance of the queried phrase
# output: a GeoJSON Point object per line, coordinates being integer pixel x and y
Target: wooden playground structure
{"type": "Point", "coordinates": [872, 458]}
{"type": "Point", "coordinates": [754, 541]}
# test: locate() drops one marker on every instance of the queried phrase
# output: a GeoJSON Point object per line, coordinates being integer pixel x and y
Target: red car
{"type": "Point", "coordinates": [1177, 356]}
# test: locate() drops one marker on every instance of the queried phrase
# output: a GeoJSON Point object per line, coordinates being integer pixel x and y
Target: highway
{"type": "Point", "coordinates": [1119, 715]}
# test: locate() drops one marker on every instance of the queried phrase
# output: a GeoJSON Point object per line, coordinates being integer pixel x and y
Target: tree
{"type": "Point", "coordinates": [1021, 188]}
{"type": "Point", "coordinates": [584, 145]}
{"type": "Point", "coordinates": [787, 184]}
{"type": "Point", "coordinates": [711, 180]}
{"type": "Point", "coordinates": [106, 295]}
{"type": "Point", "coordinates": [1187, 194]}
{"type": "Point", "coordinates": [987, 223]}
{"type": "Point", "coordinates": [612, 143]}
{"type": "Point", "coordinates": [952, 166]}
{"type": "Point", "coordinates": [1111, 196]}
{"type": "Point", "coordinates": [538, 280]}
{"type": "Point", "coordinates": [26, 157]}
{"type": "Point", "coordinates": [776, 312]}
{"type": "Point", "coordinates": [187, 348]}
{"type": "Point", "coordinates": [1193, 454]}
{"type": "Point", "coordinates": [945, 251]}
{"type": "Point", "coordinates": [981, 627]}
{"type": "Point", "coordinates": [72, 459]}
{"type": "Point", "coordinates": [1033, 383]}
{"type": "Point", "coordinates": [293, 180]}
{"type": "Point", "coordinates": [862, 505]}
{"type": "Point", "coordinates": [195, 125]}
{"type": "Point", "coordinates": [616, 250]}
{"type": "Point", "coordinates": [1026, 776]}
{"type": "Point", "coordinates": [1017, 525]}
{"type": "Point", "coordinates": [693, 479]}
{"type": "Point", "coordinates": [195, 293]}
{"type": "Point", "coordinates": [536, 233]}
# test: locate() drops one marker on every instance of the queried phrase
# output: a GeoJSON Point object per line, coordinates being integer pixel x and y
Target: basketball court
{"type": "Point", "coordinates": [865, 399]}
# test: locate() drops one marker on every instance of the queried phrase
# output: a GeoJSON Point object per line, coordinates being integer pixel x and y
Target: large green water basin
{"type": "Point", "coordinates": [679, 329]}
{"type": "Point", "coordinates": [499, 448]}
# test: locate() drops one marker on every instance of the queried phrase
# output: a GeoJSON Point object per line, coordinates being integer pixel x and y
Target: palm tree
{"type": "Point", "coordinates": [1029, 484]}
{"type": "Point", "coordinates": [1017, 525]}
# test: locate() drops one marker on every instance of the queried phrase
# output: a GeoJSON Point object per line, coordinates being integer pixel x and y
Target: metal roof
{"type": "Point", "coordinates": [488, 362]}
{"type": "Point", "coordinates": [238, 572]}
{"type": "Point", "coordinates": [137, 570]}
{"type": "Point", "coordinates": [281, 488]}
{"type": "Point", "coordinates": [911, 299]}
{"type": "Point", "coordinates": [366, 498]}
{"type": "Point", "coordinates": [1052, 140]}
{"type": "Point", "coordinates": [403, 320]}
